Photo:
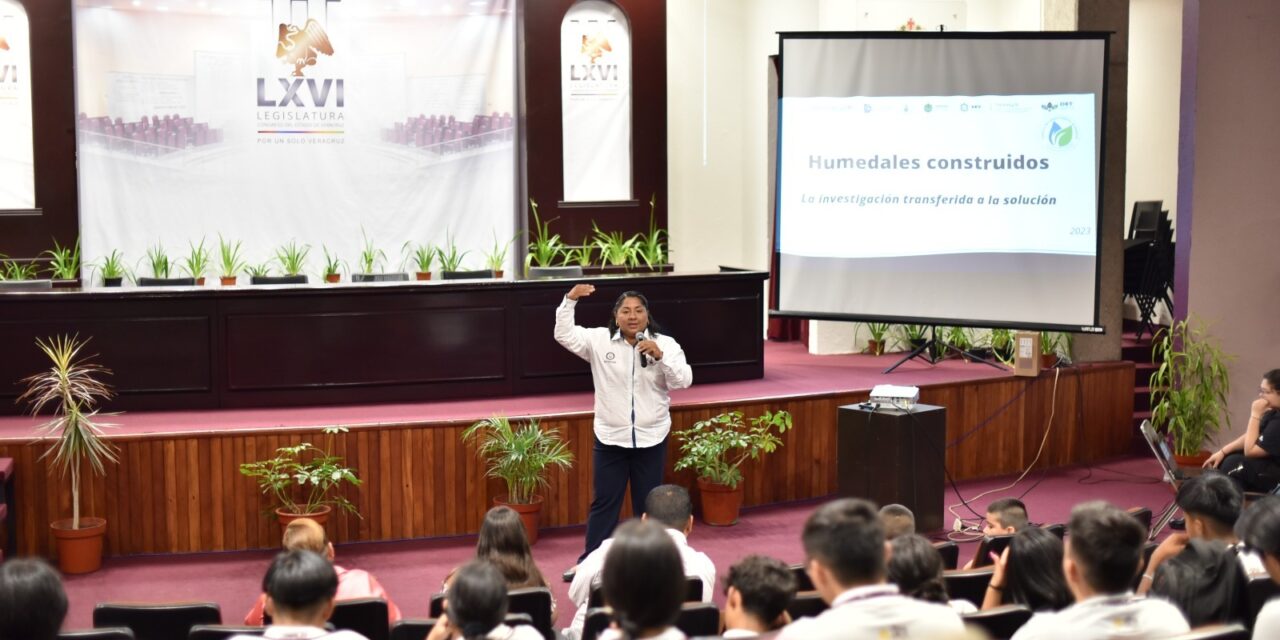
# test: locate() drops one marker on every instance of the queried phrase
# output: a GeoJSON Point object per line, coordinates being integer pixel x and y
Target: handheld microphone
{"type": "Point", "coordinates": [644, 359]}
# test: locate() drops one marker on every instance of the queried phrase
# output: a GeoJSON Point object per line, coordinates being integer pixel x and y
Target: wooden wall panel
{"type": "Point", "coordinates": [183, 493]}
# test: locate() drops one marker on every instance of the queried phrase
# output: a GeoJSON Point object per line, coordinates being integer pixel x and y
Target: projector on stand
{"type": "Point", "coordinates": [885, 396]}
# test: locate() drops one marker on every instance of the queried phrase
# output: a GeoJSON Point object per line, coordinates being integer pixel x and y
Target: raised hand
{"type": "Point", "coordinates": [581, 290]}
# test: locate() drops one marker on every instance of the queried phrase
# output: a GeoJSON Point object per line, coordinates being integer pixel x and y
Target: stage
{"type": "Point", "coordinates": [177, 488]}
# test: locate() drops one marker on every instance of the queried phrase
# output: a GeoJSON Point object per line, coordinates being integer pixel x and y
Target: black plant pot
{"type": "Point", "coordinates": [380, 277]}
{"type": "Point", "coordinates": [298, 279]}
{"type": "Point", "coordinates": [166, 282]}
{"type": "Point", "coordinates": [466, 275]}
{"type": "Point", "coordinates": [555, 272]}
{"type": "Point", "coordinates": [113, 282]}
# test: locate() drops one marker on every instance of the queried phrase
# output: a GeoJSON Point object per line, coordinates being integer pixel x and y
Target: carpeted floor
{"type": "Point", "coordinates": [412, 570]}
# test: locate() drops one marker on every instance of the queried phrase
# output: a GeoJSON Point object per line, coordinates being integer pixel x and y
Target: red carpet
{"type": "Point", "coordinates": [413, 570]}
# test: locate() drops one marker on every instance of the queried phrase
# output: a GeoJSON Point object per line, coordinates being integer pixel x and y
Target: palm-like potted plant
{"type": "Point", "coordinates": [617, 252]}
{"type": "Point", "coordinates": [520, 456]}
{"type": "Point", "coordinates": [1189, 389]}
{"type": "Point", "coordinates": [303, 481]}
{"type": "Point", "coordinates": [64, 264]}
{"type": "Point", "coordinates": [72, 388]}
{"type": "Point", "coordinates": [545, 248]}
{"type": "Point", "coordinates": [197, 262]}
{"type": "Point", "coordinates": [230, 262]}
{"type": "Point", "coordinates": [876, 333]}
{"type": "Point", "coordinates": [292, 259]}
{"type": "Point", "coordinates": [420, 256]}
{"type": "Point", "coordinates": [715, 449]}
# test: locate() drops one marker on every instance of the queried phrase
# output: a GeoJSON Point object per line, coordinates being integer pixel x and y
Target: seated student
{"type": "Point", "coordinates": [1204, 580]}
{"type": "Point", "coordinates": [300, 588]}
{"type": "Point", "coordinates": [898, 521]}
{"type": "Point", "coordinates": [504, 542]}
{"type": "Point", "coordinates": [32, 602]}
{"type": "Point", "coordinates": [1029, 572]}
{"type": "Point", "coordinates": [1211, 503]}
{"type": "Point", "coordinates": [915, 566]}
{"type": "Point", "coordinates": [305, 534]}
{"type": "Point", "coordinates": [475, 606]}
{"type": "Point", "coordinates": [669, 506]}
{"type": "Point", "coordinates": [1004, 516]}
{"type": "Point", "coordinates": [643, 580]}
{"type": "Point", "coordinates": [1262, 534]}
{"type": "Point", "coordinates": [845, 546]}
{"type": "Point", "coordinates": [757, 593]}
{"type": "Point", "coordinates": [1253, 459]}
{"type": "Point", "coordinates": [1102, 557]}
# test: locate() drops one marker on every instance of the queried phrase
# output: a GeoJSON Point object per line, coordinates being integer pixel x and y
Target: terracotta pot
{"type": "Point", "coordinates": [332, 278]}
{"type": "Point", "coordinates": [497, 273]}
{"type": "Point", "coordinates": [79, 550]}
{"type": "Point", "coordinates": [200, 281]}
{"type": "Point", "coordinates": [720, 504]}
{"type": "Point", "coordinates": [423, 275]}
{"type": "Point", "coordinates": [1047, 360]}
{"type": "Point", "coordinates": [285, 517]}
{"type": "Point", "coordinates": [875, 347]}
{"type": "Point", "coordinates": [1193, 461]}
{"type": "Point", "coordinates": [227, 281]}
{"type": "Point", "coordinates": [528, 514]}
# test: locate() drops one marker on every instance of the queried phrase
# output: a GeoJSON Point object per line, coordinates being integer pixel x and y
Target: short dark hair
{"type": "Point", "coordinates": [897, 520]}
{"type": "Point", "coordinates": [846, 536]}
{"type": "Point", "coordinates": [477, 599]}
{"type": "Point", "coordinates": [766, 584]}
{"type": "Point", "coordinates": [1107, 544]}
{"type": "Point", "coordinates": [916, 567]}
{"type": "Point", "coordinates": [643, 578]}
{"type": "Point", "coordinates": [300, 581]}
{"type": "Point", "coordinates": [1259, 525]}
{"type": "Point", "coordinates": [1011, 512]}
{"type": "Point", "coordinates": [1214, 496]}
{"type": "Point", "coordinates": [669, 505]}
{"type": "Point", "coordinates": [32, 601]}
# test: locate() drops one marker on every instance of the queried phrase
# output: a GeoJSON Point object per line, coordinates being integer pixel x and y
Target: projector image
{"type": "Point", "coordinates": [894, 396]}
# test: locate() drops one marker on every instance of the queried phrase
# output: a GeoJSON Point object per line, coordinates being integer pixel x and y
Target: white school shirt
{"type": "Point", "coordinates": [670, 633]}
{"type": "Point", "coordinates": [281, 632]}
{"type": "Point", "coordinates": [695, 563]}
{"type": "Point", "coordinates": [1108, 616]}
{"type": "Point", "coordinates": [1267, 624]}
{"type": "Point", "coordinates": [633, 408]}
{"type": "Point", "coordinates": [877, 611]}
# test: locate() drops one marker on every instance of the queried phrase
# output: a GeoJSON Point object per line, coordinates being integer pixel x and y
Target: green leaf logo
{"type": "Point", "coordinates": [1061, 132]}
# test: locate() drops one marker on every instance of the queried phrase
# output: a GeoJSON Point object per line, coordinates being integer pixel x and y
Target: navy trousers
{"type": "Point", "coordinates": [613, 468]}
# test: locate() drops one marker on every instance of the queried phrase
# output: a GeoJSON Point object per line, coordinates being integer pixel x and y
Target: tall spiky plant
{"type": "Point", "coordinates": [520, 456]}
{"type": "Point", "coordinates": [71, 386]}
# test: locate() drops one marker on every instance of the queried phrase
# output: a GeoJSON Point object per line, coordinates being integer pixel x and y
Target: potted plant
{"type": "Point", "coordinates": [304, 481]}
{"type": "Point", "coordinates": [716, 448]}
{"type": "Point", "coordinates": [1051, 343]}
{"type": "Point", "coordinates": [71, 387]}
{"type": "Point", "coordinates": [1189, 389]}
{"type": "Point", "coordinates": [371, 261]}
{"type": "Point", "coordinates": [13, 270]}
{"type": "Point", "coordinates": [496, 258]}
{"type": "Point", "coordinates": [544, 247]}
{"type": "Point", "coordinates": [161, 270]}
{"type": "Point", "coordinates": [197, 262]}
{"type": "Point", "coordinates": [1002, 344]}
{"type": "Point", "coordinates": [112, 269]}
{"type": "Point", "coordinates": [914, 335]}
{"type": "Point", "coordinates": [520, 456]}
{"type": "Point", "coordinates": [579, 256]}
{"type": "Point", "coordinates": [230, 262]}
{"type": "Point", "coordinates": [450, 258]}
{"type": "Point", "coordinates": [959, 338]}
{"type": "Point", "coordinates": [617, 252]}
{"type": "Point", "coordinates": [331, 268]}
{"type": "Point", "coordinates": [651, 247]}
{"type": "Point", "coordinates": [258, 273]}
{"type": "Point", "coordinates": [421, 256]}
{"type": "Point", "coordinates": [876, 332]}
{"type": "Point", "coordinates": [292, 260]}
{"type": "Point", "coordinates": [64, 265]}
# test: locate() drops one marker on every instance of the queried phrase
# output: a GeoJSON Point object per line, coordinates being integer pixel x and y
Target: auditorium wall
{"type": "Point", "coordinates": [1228, 188]}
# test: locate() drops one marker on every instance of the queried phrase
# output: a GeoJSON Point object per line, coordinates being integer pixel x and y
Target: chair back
{"type": "Point", "coordinates": [534, 602]}
{"type": "Point", "coordinates": [692, 592]}
{"type": "Point", "coordinates": [164, 621]}
{"type": "Point", "coordinates": [598, 619]}
{"type": "Point", "coordinates": [990, 545]}
{"type": "Point", "coordinates": [1001, 622]}
{"type": "Point", "coordinates": [806, 604]}
{"type": "Point", "coordinates": [970, 584]}
{"type": "Point", "coordinates": [803, 582]}
{"type": "Point", "coordinates": [1142, 222]}
{"type": "Point", "coordinates": [365, 616]}
{"type": "Point", "coordinates": [1057, 529]}
{"type": "Point", "coordinates": [950, 552]}
{"type": "Point", "coordinates": [1148, 548]}
{"type": "Point", "coordinates": [1259, 590]}
{"type": "Point", "coordinates": [699, 619]}
{"type": "Point", "coordinates": [222, 631]}
{"type": "Point", "coordinates": [436, 608]}
{"type": "Point", "coordinates": [1143, 514]}
{"type": "Point", "coordinates": [412, 628]}
{"type": "Point", "coordinates": [106, 633]}
{"type": "Point", "coordinates": [1216, 632]}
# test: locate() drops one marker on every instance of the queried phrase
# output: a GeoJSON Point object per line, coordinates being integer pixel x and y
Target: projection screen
{"type": "Point", "coordinates": [941, 178]}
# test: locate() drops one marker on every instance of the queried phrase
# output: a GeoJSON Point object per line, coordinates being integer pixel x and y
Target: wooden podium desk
{"type": "Point", "coordinates": [890, 456]}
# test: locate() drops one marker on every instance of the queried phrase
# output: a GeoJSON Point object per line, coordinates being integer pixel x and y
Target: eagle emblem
{"type": "Point", "coordinates": [595, 46]}
{"type": "Point", "coordinates": [299, 47]}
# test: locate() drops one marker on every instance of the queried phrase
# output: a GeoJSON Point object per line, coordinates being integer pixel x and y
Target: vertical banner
{"type": "Point", "coordinates": [17, 168]}
{"type": "Point", "coordinates": [595, 102]}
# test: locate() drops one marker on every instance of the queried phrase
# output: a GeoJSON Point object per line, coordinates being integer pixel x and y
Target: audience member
{"type": "Point", "coordinates": [475, 606]}
{"type": "Point", "coordinates": [1005, 516]}
{"type": "Point", "coordinates": [898, 521]}
{"type": "Point", "coordinates": [643, 581]}
{"type": "Point", "coordinates": [916, 567]}
{"type": "Point", "coordinates": [669, 506]}
{"type": "Point", "coordinates": [845, 546]}
{"type": "Point", "coordinates": [1029, 572]}
{"type": "Point", "coordinates": [32, 602]}
{"type": "Point", "coordinates": [1253, 459]}
{"type": "Point", "coordinates": [300, 588]}
{"type": "Point", "coordinates": [1261, 532]}
{"type": "Point", "coordinates": [504, 542]}
{"type": "Point", "coordinates": [1102, 557]}
{"type": "Point", "coordinates": [1205, 580]}
{"type": "Point", "coordinates": [757, 593]}
{"type": "Point", "coordinates": [305, 534]}
{"type": "Point", "coordinates": [1211, 504]}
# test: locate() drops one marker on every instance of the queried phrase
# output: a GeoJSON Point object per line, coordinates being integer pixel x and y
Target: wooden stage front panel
{"type": "Point", "coordinates": [184, 493]}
